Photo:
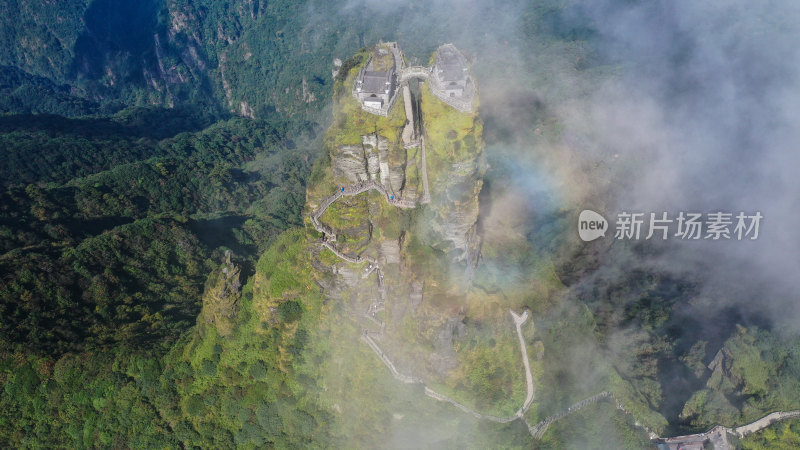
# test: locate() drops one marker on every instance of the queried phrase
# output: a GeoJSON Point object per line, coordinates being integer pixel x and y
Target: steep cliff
{"type": "Point", "coordinates": [456, 166]}
{"type": "Point", "coordinates": [397, 260]}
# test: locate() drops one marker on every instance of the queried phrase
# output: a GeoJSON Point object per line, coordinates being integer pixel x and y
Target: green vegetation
{"type": "Point", "coordinates": [116, 250]}
{"type": "Point", "coordinates": [754, 373]}
{"type": "Point", "coordinates": [382, 58]}
{"type": "Point", "coordinates": [46, 148]}
{"type": "Point", "coordinates": [23, 93]}
{"type": "Point", "coordinates": [598, 426]}
{"type": "Point", "coordinates": [492, 376]}
{"type": "Point", "coordinates": [452, 137]}
{"type": "Point", "coordinates": [781, 435]}
{"type": "Point", "coordinates": [350, 122]}
{"type": "Point", "coordinates": [208, 391]}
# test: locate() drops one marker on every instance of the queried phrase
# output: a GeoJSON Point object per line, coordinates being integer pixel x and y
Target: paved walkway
{"type": "Point", "coordinates": [329, 237]}
{"type": "Point", "coordinates": [426, 194]}
{"type": "Point", "coordinates": [349, 191]}
{"type": "Point", "coordinates": [538, 430]}
{"type": "Point", "coordinates": [765, 421]}
{"type": "Point", "coordinates": [518, 321]}
{"type": "Point", "coordinates": [409, 136]}
{"type": "Point", "coordinates": [407, 73]}
{"type": "Point", "coordinates": [412, 140]}
{"type": "Point", "coordinates": [718, 434]}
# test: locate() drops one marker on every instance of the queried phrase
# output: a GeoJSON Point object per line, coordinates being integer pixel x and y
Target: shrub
{"type": "Point", "coordinates": [258, 370]}
{"type": "Point", "coordinates": [290, 311]}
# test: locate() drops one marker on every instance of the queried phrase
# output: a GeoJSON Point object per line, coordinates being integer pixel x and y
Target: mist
{"type": "Point", "coordinates": [640, 107]}
{"type": "Point", "coordinates": [706, 108]}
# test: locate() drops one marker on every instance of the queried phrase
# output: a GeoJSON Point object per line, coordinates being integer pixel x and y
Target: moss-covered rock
{"type": "Point", "coordinates": [221, 298]}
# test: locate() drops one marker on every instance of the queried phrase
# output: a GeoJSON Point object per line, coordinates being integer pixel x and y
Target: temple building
{"type": "Point", "coordinates": [450, 78]}
{"type": "Point", "coordinates": [380, 80]}
{"type": "Point", "coordinates": [376, 83]}
{"type": "Point", "coordinates": [451, 70]}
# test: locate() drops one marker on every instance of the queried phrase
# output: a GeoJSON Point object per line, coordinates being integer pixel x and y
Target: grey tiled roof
{"type": "Point", "coordinates": [374, 81]}
{"type": "Point", "coordinates": [450, 64]}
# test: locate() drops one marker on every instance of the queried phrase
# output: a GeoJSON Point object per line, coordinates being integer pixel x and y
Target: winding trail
{"type": "Point", "coordinates": [538, 430]}
{"type": "Point", "coordinates": [718, 435]}
{"type": "Point", "coordinates": [518, 321]}
{"type": "Point", "coordinates": [764, 422]}
{"type": "Point", "coordinates": [349, 191]}
{"type": "Point", "coordinates": [329, 237]}
{"type": "Point", "coordinates": [407, 379]}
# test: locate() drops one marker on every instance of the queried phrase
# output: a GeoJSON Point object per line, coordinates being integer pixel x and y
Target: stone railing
{"type": "Point", "coordinates": [538, 430]}
{"type": "Point", "coordinates": [764, 422]}
{"type": "Point", "coordinates": [355, 189]}
{"type": "Point", "coordinates": [414, 72]}
{"type": "Point", "coordinates": [465, 103]}
{"type": "Point", "coordinates": [407, 379]}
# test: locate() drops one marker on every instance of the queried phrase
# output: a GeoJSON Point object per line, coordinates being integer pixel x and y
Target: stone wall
{"type": "Point", "coordinates": [464, 103]}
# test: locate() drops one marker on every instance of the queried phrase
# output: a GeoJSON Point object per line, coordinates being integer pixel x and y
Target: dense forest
{"type": "Point", "coordinates": [115, 217]}
{"type": "Point", "coordinates": [109, 227]}
{"type": "Point", "coordinates": [112, 228]}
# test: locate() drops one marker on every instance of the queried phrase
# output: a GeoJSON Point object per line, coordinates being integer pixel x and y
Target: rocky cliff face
{"type": "Point", "coordinates": [409, 292]}
{"type": "Point", "coordinates": [369, 162]}
{"type": "Point", "coordinates": [457, 211]}
{"type": "Point", "coordinates": [457, 165]}
{"type": "Point", "coordinates": [171, 52]}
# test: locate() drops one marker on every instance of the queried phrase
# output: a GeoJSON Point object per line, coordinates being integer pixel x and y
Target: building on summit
{"type": "Point", "coordinates": [450, 79]}
{"type": "Point", "coordinates": [451, 71]}
{"type": "Point", "coordinates": [379, 81]}
{"type": "Point", "coordinates": [376, 84]}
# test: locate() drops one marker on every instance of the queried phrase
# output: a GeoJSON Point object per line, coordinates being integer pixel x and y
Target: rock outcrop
{"type": "Point", "coordinates": [221, 298]}
{"type": "Point", "coordinates": [444, 358]}
{"type": "Point", "coordinates": [398, 281]}
{"type": "Point", "coordinates": [458, 212]}
{"type": "Point", "coordinates": [369, 162]}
